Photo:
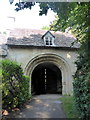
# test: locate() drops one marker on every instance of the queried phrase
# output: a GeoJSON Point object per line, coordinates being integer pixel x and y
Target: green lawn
{"type": "Point", "coordinates": [69, 107]}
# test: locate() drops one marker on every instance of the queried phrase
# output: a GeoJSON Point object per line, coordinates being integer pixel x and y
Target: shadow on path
{"type": "Point", "coordinates": [41, 106]}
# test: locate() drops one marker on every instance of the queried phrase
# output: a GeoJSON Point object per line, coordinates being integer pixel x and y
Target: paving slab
{"type": "Point", "coordinates": [41, 106]}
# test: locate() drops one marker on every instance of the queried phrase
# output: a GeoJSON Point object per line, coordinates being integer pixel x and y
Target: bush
{"type": "Point", "coordinates": [15, 86]}
{"type": "Point", "coordinates": [82, 92]}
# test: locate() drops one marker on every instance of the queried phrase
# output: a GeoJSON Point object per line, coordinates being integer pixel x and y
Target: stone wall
{"type": "Point", "coordinates": [29, 58]}
{"type": "Point", "coordinates": [3, 51]}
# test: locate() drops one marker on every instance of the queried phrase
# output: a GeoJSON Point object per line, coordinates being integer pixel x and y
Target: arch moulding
{"type": "Point", "coordinates": [60, 62]}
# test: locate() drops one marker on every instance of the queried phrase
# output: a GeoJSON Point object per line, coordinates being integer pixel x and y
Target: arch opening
{"type": "Point", "coordinates": [46, 79]}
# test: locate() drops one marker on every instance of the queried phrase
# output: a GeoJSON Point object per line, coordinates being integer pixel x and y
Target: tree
{"type": "Point", "coordinates": [45, 28]}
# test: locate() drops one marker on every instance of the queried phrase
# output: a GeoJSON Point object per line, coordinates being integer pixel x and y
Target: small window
{"type": "Point", "coordinates": [48, 41]}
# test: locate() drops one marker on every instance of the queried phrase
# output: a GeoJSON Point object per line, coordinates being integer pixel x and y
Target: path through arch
{"type": "Point", "coordinates": [41, 106]}
{"type": "Point", "coordinates": [46, 79]}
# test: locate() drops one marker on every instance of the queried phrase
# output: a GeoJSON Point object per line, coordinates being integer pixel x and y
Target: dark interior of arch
{"type": "Point", "coordinates": [46, 79]}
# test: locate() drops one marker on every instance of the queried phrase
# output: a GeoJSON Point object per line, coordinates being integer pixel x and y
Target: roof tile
{"type": "Point", "coordinates": [34, 38]}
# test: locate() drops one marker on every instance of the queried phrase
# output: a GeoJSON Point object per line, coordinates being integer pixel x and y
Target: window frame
{"type": "Point", "coordinates": [48, 41]}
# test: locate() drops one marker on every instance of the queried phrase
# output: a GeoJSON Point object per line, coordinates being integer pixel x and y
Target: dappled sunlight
{"type": "Point", "coordinates": [38, 101]}
{"type": "Point", "coordinates": [21, 113]}
{"type": "Point", "coordinates": [41, 106]}
{"type": "Point", "coordinates": [68, 56]}
{"type": "Point", "coordinates": [16, 109]}
{"type": "Point", "coordinates": [43, 115]}
{"type": "Point", "coordinates": [5, 112]}
{"type": "Point", "coordinates": [47, 105]}
{"type": "Point", "coordinates": [54, 109]}
{"type": "Point", "coordinates": [29, 106]}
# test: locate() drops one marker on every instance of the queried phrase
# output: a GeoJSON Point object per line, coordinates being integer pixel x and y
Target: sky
{"type": "Point", "coordinates": [23, 19]}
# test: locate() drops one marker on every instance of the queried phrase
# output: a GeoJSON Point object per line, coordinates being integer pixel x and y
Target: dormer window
{"type": "Point", "coordinates": [48, 39]}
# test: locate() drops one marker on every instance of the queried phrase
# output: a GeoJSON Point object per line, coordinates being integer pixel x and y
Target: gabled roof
{"type": "Point", "coordinates": [28, 37]}
{"type": "Point", "coordinates": [47, 33]}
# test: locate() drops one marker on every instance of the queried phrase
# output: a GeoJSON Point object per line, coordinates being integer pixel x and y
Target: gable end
{"type": "Point", "coordinates": [47, 33]}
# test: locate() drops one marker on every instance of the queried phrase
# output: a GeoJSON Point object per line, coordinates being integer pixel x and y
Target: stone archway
{"type": "Point", "coordinates": [56, 60]}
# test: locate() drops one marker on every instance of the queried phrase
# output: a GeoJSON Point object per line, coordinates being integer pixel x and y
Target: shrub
{"type": "Point", "coordinates": [82, 92]}
{"type": "Point", "coordinates": [15, 86]}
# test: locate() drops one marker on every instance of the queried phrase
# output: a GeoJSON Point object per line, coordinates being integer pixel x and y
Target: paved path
{"type": "Point", "coordinates": [41, 106]}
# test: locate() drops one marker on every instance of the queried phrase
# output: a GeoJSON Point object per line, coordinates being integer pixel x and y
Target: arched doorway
{"type": "Point", "coordinates": [54, 63]}
{"type": "Point", "coordinates": [46, 79]}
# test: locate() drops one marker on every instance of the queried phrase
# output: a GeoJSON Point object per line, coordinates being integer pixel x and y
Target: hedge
{"type": "Point", "coordinates": [15, 86]}
{"type": "Point", "coordinates": [82, 92]}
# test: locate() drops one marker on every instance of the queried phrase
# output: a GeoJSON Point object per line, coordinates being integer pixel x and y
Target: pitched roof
{"type": "Point", "coordinates": [28, 37]}
{"type": "Point", "coordinates": [49, 33]}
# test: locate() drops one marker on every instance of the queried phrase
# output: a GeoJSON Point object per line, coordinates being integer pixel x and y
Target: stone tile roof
{"type": "Point", "coordinates": [29, 37]}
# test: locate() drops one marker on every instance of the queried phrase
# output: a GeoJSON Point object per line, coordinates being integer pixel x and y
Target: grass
{"type": "Point", "coordinates": [69, 107]}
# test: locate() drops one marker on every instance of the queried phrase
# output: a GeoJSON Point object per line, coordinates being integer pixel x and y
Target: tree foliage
{"type": "Point", "coordinates": [15, 86]}
{"type": "Point", "coordinates": [45, 28]}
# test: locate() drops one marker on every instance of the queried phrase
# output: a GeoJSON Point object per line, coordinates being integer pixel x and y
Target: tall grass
{"type": "Point", "coordinates": [69, 106]}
